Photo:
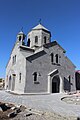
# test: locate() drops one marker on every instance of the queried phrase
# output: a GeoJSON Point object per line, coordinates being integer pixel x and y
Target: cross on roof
{"type": "Point", "coordinates": [22, 29]}
{"type": "Point", "coordinates": [40, 21]}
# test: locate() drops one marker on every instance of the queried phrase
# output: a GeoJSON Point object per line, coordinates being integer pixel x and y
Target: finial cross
{"type": "Point", "coordinates": [22, 29]}
{"type": "Point", "coordinates": [40, 21]}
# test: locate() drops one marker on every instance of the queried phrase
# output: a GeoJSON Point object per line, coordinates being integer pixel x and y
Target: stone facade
{"type": "Point", "coordinates": [40, 66]}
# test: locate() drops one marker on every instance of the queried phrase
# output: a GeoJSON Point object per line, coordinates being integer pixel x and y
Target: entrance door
{"type": "Point", "coordinates": [54, 87]}
{"type": "Point", "coordinates": [9, 85]}
{"type": "Point", "coordinates": [55, 84]}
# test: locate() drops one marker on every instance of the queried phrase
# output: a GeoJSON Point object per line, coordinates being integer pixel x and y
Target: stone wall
{"type": "Point", "coordinates": [41, 63]}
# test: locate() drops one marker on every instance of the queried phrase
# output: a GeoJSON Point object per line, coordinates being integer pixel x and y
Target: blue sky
{"type": "Point", "coordinates": [61, 17]}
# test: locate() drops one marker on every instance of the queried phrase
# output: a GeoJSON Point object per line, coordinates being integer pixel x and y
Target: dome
{"type": "Point", "coordinates": [20, 33]}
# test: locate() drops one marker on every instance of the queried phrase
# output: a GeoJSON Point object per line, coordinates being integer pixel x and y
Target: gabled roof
{"type": "Point", "coordinates": [36, 55]}
{"type": "Point", "coordinates": [55, 71]}
{"type": "Point", "coordinates": [69, 61]}
{"type": "Point", "coordinates": [42, 52]}
{"type": "Point", "coordinates": [27, 48]}
{"type": "Point", "coordinates": [53, 44]}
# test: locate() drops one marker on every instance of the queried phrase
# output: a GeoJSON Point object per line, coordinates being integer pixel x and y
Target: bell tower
{"type": "Point", "coordinates": [38, 36]}
{"type": "Point", "coordinates": [21, 37]}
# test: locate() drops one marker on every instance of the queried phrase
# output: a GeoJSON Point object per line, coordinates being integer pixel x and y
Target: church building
{"type": "Point", "coordinates": [40, 67]}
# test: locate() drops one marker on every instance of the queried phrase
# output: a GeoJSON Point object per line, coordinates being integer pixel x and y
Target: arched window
{"type": "Point", "coordinates": [56, 58]}
{"type": "Point", "coordinates": [28, 42]}
{"type": "Point", "coordinates": [36, 39]}
{"type": "Point", "coordinates": [45, 39]}
{"type": "Point", "coordinates": [19, 77]}
{"type": "Point", "coordinates": [24, 37]}
{"type": "Point", "coordinates": [35, 76]}
{"type": "Point", "coordinates": [52, 57]}
{"type": "Point", "coordinates": [15, 58]}
{"type": "Point", "coordinates": [19, 38]}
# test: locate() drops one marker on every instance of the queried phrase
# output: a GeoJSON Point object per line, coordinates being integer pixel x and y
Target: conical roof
{"type": "Point", "coordinates": [39, 26]}
{"type": "Point", "coordinates": [20, 33]}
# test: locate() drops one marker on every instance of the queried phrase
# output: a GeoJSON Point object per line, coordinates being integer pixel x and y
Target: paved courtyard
{"type": "Point", "coordinates": [50, 103]}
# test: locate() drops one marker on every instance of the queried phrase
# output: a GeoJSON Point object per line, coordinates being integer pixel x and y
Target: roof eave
{"type": "Point", "coordinates": [53, 44]}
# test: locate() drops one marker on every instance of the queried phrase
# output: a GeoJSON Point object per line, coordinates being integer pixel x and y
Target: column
{"type": "Point", "coordinates": [49, 84]}
{"type": "Point", "coordinates": [61, 84]}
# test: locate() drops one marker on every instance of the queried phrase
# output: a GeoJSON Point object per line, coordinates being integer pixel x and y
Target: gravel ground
{"type": "Point", "coordinates": [44, 116]}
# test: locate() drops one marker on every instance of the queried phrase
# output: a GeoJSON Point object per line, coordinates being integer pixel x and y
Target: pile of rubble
{"type": "Point", "coordinates": [72, 98]}
{"type": "Point", "coordinates": [8, 111]}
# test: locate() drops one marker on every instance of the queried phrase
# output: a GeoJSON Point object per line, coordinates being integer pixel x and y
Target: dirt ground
{"type": "Point", "coordinates": [30, 114]}
{"type": "Point", "coordinates": [45, 116]}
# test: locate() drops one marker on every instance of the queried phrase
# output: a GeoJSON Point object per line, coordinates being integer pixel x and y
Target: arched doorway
{"type": "Point", "coordinates": [9, 85]}
{"type": "Point", "coordinates": [28, 42]}
{"type": "Point", "coordinates": [56, 84]}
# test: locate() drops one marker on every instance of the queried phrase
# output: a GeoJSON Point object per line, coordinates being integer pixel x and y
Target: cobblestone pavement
{"type": "Point", "coordinates": [51, 103]}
